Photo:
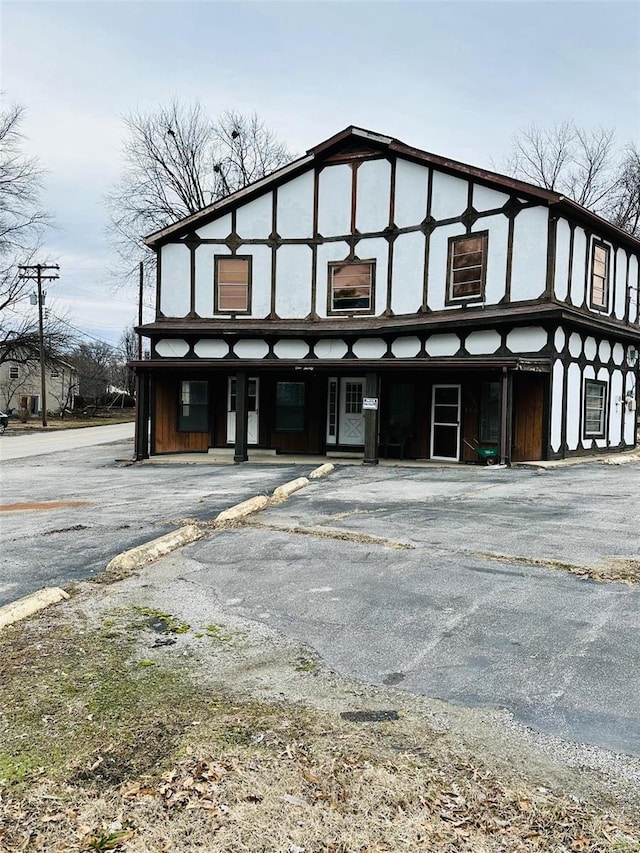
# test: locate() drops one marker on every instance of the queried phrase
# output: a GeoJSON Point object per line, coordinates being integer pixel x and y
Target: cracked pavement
{"type": "Point", "coordinates": [441, 617]}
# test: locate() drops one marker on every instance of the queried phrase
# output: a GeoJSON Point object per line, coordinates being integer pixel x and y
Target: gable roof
{"type": "Point", "coordinates": [356, 139]}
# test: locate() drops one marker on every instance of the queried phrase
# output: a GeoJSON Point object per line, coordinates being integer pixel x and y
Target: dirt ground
{"type": "Point", "coordinates": [55, 422]}
{"type": "Point", "coordinates": [125, 726]}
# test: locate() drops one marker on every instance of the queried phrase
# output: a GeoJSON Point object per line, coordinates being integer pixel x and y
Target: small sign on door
{"type": "Point", "coordinates": [370, 403]}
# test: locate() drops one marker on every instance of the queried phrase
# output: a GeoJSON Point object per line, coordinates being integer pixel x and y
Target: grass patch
{"type": "Point", "coordinates": [100, 753]}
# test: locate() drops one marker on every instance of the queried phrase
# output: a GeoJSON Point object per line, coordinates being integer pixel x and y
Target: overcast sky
{"type": "Point", "coordinates": [454, 78]}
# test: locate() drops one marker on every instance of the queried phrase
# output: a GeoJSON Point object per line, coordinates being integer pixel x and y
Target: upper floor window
{"type": "Point", "coordinates": [599, 275]}
{"type": "Point", "coordinates": [232, 285]}
{"type": "Point", "coordinates": [467, 266]}
{"type": "Point", "coordinates": [595, 407]}
{"type": "Point", "coordinates": [14, 372]}
{"type": "Point", "coordinates": [351, 287]}
{"type": "Point", "coordinates": [55, 374]}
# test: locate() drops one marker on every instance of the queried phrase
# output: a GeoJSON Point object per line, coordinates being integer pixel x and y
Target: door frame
{"type": "Point", "coordinates": [458, 425]}
{"type": "Point", "coordinates": [341, 415]}
{"type": "Point", "coordinates": [252, 415]}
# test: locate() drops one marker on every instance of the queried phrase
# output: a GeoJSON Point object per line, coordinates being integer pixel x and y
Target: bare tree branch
{"type": "Point", "coordinates": [586, 166]}
{"type": "Point", "coordinates": [176, 162]}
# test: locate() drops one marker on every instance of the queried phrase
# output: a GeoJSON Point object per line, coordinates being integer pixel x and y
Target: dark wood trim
{"type": "Point", "coordinates": [392, 192]}
{"type": "Point", "coordinates": [627, 289]}
{"type": "Point", "coordinates": [159, 314]}
{"type": "Point", "coordinates": [473, 316]}
{"type": "Point", "coordinates": [428, 220]}
{"type": "Point", "coordinates": [587, 255]}
{"type": "Point", "coordinates": [552, 242]}
{"type": "Point", "coordinates": [313, 315]}
{"type": "Point", "coordinates": [192, 278]}
{"type": "Point", "coordinates": [449, 299]}
{"type": "Point", "coordinates": [141, 439]}
{"type": "Point", "coordinates": [565, 360]}
{"type": "Point", "coordinates": [572, 231]}
{"type": "Point", "coordinates": [316, 197]}
{"type": "Point", "coordinates": [240, 447]}
{"type": "Point", "coordinates": [371, 389]}
{"type": "Point", "coordinates": [509, 261]}
{"type": "Point", "coordinates": [612, 292]}
{"type": "Point", "coordinates": [216, 306]}
{"type": "Point", "coordinates": [274, 250]}
{"type": "Point", "coordinates": [388, 309]}
{"type": "Point", "coordinates": [354, 196]}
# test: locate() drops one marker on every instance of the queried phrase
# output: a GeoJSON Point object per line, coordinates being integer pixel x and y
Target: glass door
{"type": "Point", "coordinates": [445, 422]}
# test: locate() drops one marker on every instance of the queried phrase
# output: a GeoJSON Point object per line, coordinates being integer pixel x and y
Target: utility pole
{"type": "Point", "coordinates": [40, 273]}
{"type": "Point", "coordinates": [140, 296]}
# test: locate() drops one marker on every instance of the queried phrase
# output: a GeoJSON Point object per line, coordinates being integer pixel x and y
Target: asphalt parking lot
{"type": "Point", "coordinates": [444, 618]}
{"type": "Point", "coordinates": [454, 604]}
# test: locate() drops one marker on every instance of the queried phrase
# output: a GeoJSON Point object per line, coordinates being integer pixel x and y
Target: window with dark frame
{"type": "Point", "coordinates": [490, 410]}
{"type": "Point", "coordinates": [467, 266]}
{"type": "Point", "coordinates": [232, 285]}
{"type": "Point", "coordinates": [351, 287]}
{"type": "Point", "coordinates": [595, 408]}
{"type": "Point", "coordinates": [290, 406]}
{"type": "Point", "coordinates": [14, 372]}
{"type": "Point", "coordinates": [599, 275]}
{"type": "Point", "coordinates": [193, 412]}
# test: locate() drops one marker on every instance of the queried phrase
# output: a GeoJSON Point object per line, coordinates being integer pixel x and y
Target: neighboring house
{"type": "Point", "coordinates": [466, 305]}
{"type": "Point", "coordinates": [21, 388]}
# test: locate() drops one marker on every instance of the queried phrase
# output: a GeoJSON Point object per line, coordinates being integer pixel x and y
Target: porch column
{"type": "Point", "coordinates": [371, 421]}
{"type": "Point", "coordinates": [505, 417]}
{"type": "Point", "coordinates": [242, 417]}
{"type": "Point", "coordinates": [141, 437]}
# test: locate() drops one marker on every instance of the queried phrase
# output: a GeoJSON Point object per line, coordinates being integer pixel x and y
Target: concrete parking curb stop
{"type": "Point", "coordinates": [289, 488]}
{"type": "Point", "coordinates": [30, 604]}
{"type": "Point", "coordinates": [245, 508]}
{"type": "Point", "coordinates": [321, 471]}
{"type": "Point", "coordinates": [138, 557]}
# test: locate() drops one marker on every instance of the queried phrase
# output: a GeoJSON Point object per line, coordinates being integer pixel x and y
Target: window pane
{"type": "Point", "coordinates": [233, 271]}
{"type": "Point", "coordinates": [233, 297]}
{"type": "Point", "coordinates": [351, 286]}
{"type": "Point", "coordinates": [290, 406]}
{"type": "Point", "coordinates": [594, 408]}
{"type": "Point", "coordinates": [193, 413]}
{"type": "Point", "coordinates": [490, 408]}
{"type": "Point", "coordinates": [353, 398]}
{"type": "Point", "coordinates": [467, 261]}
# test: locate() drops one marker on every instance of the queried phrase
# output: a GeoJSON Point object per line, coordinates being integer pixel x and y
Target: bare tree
{"type": "Point", "coordinates": [22, 226]}
{"type": "Point", "coordinates": [623, 205]}
{"type": "Point", "coordinates": [97, 366]}
{"type": "Point", "coordinates": [177, 160]}
{"type": "Point", "coordinates": [586, 166]}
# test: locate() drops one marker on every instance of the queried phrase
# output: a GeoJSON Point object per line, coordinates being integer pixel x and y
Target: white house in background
{"type": "Point", "coordinates": [21, 388]}
{"type": "Point", "coordinates": [376, 299]}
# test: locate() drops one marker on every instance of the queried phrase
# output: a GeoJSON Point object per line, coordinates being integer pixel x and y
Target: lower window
{"type": "Point", "coordinates": [289, 407]}
{"type": "Point", "coordinates": [193, 413]}
{"type": "Point", "coordinates": [595, 407]}
{"type": "Point", "coordinates": [490, 409]}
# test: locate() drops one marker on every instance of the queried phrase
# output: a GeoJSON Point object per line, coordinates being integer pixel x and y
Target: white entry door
{"type": "Point", "coordinates": [351, 416]}
{"type": "Point", "coordinates": [445, 422]}
{"type": "Point", "coordinates": [252, 426]}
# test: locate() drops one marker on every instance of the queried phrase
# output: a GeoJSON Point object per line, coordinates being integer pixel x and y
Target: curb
{"type": "Point", "coordinates": [322, 471]}
{"type": "Point", "coordinates": [30, 604]}
{"type": "Point", "coordinates": [245, 508]}
{"type": "Point", "coordinates": [289, 488]}
{"type": "Point", "coordinates": [138, 557]}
